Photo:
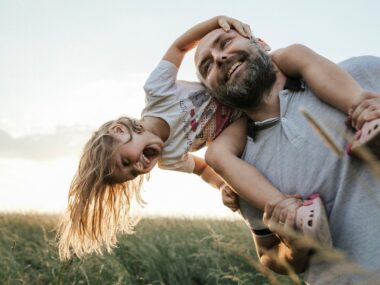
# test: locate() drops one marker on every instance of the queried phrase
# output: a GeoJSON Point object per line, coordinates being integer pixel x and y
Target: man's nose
{"type": "Point", "coordinates": [220, 57]}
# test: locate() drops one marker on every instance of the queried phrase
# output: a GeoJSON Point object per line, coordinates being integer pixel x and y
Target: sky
{"type": "Point", "coordinates": [68, 66]}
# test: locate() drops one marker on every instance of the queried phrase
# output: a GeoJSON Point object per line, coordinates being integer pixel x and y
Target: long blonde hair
{"type": "Point", "coordinates": [98, 208]}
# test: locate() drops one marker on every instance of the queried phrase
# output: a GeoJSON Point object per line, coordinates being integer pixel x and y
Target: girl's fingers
{"type": "Point", "coordinates": [227, 23]}
{"type": "Point", "coordinates": [224, 24]}
{"type": "Point", "coordinates": [247, 30]}
{"type": "Point", "coordinates": [238, 26]}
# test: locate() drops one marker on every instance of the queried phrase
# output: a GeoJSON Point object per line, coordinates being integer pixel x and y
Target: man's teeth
{"type": "Point", "coordinates": [233, 67]}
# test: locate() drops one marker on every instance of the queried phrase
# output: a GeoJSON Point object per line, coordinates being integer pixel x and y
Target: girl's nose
{"type": "Point", "coordinates": [138, 166]}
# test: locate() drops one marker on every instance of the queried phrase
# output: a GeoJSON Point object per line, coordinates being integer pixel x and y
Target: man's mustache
{"type": "Point", "coordinates": [228, 63]}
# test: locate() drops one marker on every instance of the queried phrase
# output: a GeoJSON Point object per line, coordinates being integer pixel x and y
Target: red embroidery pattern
{"type": "Point", "coordinates": [214, 119]}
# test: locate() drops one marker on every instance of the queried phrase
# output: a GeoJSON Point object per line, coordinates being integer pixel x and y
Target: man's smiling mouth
{"type": "Point", "coordinates": [233, 69]}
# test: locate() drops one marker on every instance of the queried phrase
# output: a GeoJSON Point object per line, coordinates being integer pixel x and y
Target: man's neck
{"type": "Point", "coordinates": [270, 107]}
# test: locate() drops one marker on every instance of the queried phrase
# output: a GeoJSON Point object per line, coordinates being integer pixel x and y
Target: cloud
{"type": "Point", "coordinates": [63, 142]}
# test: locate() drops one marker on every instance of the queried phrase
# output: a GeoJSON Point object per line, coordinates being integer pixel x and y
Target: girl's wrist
{"type": "Point", "coordinates": [222, 186]}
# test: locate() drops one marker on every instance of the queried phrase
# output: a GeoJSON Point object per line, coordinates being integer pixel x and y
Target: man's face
{"type": "Point", "coordinates": [237, 70]}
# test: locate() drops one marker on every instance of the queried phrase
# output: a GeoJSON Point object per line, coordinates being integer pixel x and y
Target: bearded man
{"type": "Point", "coordinates": [240, 73]}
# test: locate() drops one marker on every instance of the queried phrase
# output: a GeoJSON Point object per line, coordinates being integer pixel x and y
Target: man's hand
{"type": "Point", "coordinates": [367, 108]}
{"type": "Point", "coordinates": [226, 23]}
{"type": "Point", "coordinates": [229, 197]}
{"type": "Point", "coordinates": [280, 217]}
{"type": "Point", "coordinates": [287, 250]}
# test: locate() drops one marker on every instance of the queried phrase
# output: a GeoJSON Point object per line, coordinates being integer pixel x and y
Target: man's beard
{"type": "Point", "coordinates": [247, 90]}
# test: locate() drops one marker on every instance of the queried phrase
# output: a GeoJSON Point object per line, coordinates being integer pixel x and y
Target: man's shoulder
{"type": "Point", "coordinates": [365, 61]}
{"type": "Point", "coordinates": [365, 70]}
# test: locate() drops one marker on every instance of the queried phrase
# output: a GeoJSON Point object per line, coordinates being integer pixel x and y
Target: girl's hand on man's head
{"type": "Point", "coordinates": [226, 23]}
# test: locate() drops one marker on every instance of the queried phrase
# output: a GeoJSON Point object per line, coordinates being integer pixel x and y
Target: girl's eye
{"type": "Point", "coordinates": [125, 162]}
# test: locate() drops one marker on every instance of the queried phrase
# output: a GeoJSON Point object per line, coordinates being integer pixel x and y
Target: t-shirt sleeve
{"type": "Point", "coordinates": [186, 164]}
{"type": "Point", "coordinates": [162, 80]}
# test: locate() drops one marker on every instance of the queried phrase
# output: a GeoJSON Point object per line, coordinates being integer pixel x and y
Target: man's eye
{"type": "Point", "coordinates": [225, 43]}
{"type": "Point", "coordinates": [207, 68]}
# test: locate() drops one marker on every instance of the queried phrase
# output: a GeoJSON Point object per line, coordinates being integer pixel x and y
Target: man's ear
{"type": "Point", "coordinates": [263, 44]}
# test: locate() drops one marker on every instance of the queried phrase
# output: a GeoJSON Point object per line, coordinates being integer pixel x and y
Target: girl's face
{"type": "Point", "coordinates": [136, 156]}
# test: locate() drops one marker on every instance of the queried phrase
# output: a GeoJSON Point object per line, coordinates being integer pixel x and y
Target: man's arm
{"type": "Point", "coordinates": [326, 79]}
{"type": "Point", "coordinates": [190, 38]}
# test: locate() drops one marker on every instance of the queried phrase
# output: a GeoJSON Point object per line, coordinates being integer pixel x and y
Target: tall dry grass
{"type": "Point", "coordinates": [163, 251]}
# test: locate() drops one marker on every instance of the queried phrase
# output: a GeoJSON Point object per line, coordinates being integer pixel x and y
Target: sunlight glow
{"type": "Point", "coordinates": [67, 67]}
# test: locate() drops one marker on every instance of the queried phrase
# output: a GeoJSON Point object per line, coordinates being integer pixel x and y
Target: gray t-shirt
{"type": "Point", "coordinates": [294, 158]}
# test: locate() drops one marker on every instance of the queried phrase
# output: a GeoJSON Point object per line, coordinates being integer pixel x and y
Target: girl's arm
{"type": "Point", "coordinates": [326, 79]}
{"type": "Point", "coordinates": [223, 156]}
{"type": "Point", "coordinates": [207, 173]}
{"type": "Point", "coordinates": [190, 38]}
{"type": "Point", "coordinates": [212, 178]}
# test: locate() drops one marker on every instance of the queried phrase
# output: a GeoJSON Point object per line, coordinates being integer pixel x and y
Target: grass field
{"type": "Point", "coordinates": [163, 251]}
